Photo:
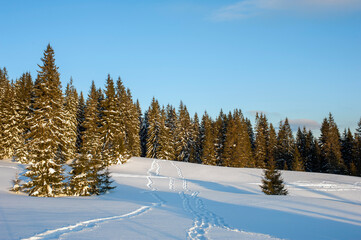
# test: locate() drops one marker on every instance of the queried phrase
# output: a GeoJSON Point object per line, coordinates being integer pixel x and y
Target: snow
{"type": "Point", "coordinates": [161, 199]}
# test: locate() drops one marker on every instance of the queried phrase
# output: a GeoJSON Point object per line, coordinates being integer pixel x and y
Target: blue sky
{"type": "Point", "coordinates": [299, 59]}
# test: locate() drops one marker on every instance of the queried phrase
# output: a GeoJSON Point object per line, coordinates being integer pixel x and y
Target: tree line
{"type": "Point", "coordinates": [47, 128]}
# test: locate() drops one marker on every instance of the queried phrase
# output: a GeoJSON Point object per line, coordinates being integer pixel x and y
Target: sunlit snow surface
{"type": "Point", "coordinates": [159, 199]}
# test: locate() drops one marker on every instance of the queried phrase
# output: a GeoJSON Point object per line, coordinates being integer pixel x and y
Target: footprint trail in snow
{"type": "Point", "coordinates": [204, 219]}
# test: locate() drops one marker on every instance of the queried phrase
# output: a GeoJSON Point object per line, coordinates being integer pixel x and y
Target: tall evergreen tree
{"type": "Point", "coordinates": [261, 142]}
{"type": "Point", "coordinates": [46, 132]}
{"type": "Point", "coordinates": [331, 147]}
{"type": "Point", "coordinates": [23, 99]}
{"type": "Point", "coordinates": [348, 150]}
{"type": "Point", "coordinates": [88, 168]}
{"type": "Point", "coordinates": [183, 134]}
{"type": "Point", "coordinates": [153, 129]}
{"type": "Point", "coordinates": [357, 151]}
{"type": "Point", "coordinates": [71, 103]}
{"type": "Point", "coordinates": [133, 128]}
{"type": "Point", "coordinates": [207, 141]}
{"type": "Point", "coordinates": [166, 151]}
{"type": "Point", "coordinates": [285, 146]}
{"type": "Point", "coordinates": [113, 135]}
{"type": "Point", "coordinates": [237, 146]}
{"type": "Point", "coordinates": [220, 126]}
{"type": "Point", "coordinates": [196, 149]}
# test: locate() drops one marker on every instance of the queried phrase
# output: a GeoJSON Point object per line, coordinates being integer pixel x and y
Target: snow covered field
{"type": "Point", "coordinates": [160, 199]}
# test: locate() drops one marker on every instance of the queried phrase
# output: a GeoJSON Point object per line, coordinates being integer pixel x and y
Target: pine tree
{"type": "Point", "coordinates": [144, 134]}
{"type": "Point", "coordinates": [331, 147]}
{"type": "Point", "coordinates": [71, 102]}
{"type": "Point", "coordinates": [237, 146]}
{"type": "Point", "coordinates": [261, 140]}
{"type": "Point", "coordinates": [88, 169]}
{"type": "Point", "coordinates": [153, 128]}
{"type": "Point", "coordinates": [220, 126]}
{"type": "Point", "coordinates": [196, 150]}
{"type": "Point", "coordinates": [348, 150]}
{"type": "Point", "coordinates": [297, 163]}
{"type": "Point", "coordinates": [166, 151]}
{"type": "Point", "coordinates": [171, 124]}
{"type": "Point", "coordinates": [11, 130]}
{"type": "Point", "coordinates": [183, 134]}
{"type": "Point", "coordinates": [132, 127]}
{"type": "Point", "coordinates": [272, 143]}
{"type": "Point", "coordinates": [23, 102]}
{"type": "Point", "coordinates": [272, 182]}
{"type": "Point", "coordinates": [356, 164]}
{"type": "Point", "coordinates": [46, 132]}
{"type": "Point", "coordinates": [113, 133]}
{"type": "Point", "coordinates": [80, 120]}
{"type": "Point", "coordinates": [207, 141]}
{"type": "Point", "coordinates": [285, 146]}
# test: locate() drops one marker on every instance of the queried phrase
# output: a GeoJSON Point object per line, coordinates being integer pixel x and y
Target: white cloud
{"type": "Point", "coordinates": [250, 8]}
{"type": "Point", "coordinates": [308, 123]}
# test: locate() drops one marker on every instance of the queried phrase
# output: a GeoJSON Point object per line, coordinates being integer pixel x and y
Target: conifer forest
{"type": "Point", "coordinates": [69, 140]}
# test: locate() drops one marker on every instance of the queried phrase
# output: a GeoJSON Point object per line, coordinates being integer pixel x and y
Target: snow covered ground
{"type": "Point", "coordinates": [159, 199]}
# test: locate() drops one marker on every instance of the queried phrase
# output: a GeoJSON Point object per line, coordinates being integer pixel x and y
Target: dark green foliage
{"type": "Point", "coordinates": [153, 129]}
{"type": "Point", "coordinates": [332, 161]}
{"type": "Point", "coordinates": [207, 141]}
{"type": "Point", "coordinates": [261, 142]}
{"type": "Point", "coordinates": [46, 132]}
{"type": "Point", "coordinates": [348, 151]}
{"type": "Point", "coordinates": [237, 146]}
{"type": "Point", "coordinates": [220, 129]}
{"type": "Point", "coordinates": [196, 147]}
{"type": "Point", "coordinates": [272, 182]}
{"type": "Point", "coordinates": [285, 146]}
{"type": "Point", "coordinates": [183, 134]}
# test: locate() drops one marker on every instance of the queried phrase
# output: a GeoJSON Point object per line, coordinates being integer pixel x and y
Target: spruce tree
{"type": "Point", "coordinates": [272, 143]}
{"type": "Point", "coordinates": [297, 163]}
{"type": "Point", "coordinates": [356, 165]}
{"type": "Point", "coordinates": [183, 134]}
{"type": "Point", "coordinates": [46, 136]}
{"type": "Point", "coordinates": [331, 147]}
{"type": "Point", "coordinates": [348, 150]}
{"type": "Point", "coordinates": [10, 128]}
{"type": "Point", "coordinates": [23, 101]}
{"type": "Point", "coordinates": [88, 169]}
{"type": "Point", "coordinates": [260, 151]}
{"type": "Point", "coordinates": [237, 146]}
{"type": "Point", "coordinates": [153, 129]}
{"type": "Point", "coordinates": [132, 127]}
{"type": "Point", "coordinates": [113, 133]}
{"type": "Point", "coordinates": [220, 135]}
{"type": "Point", "coordinates": [71, 103]}
{"type": "Point", "coordinates": [285, 146]}
{"type": "Point", "coordinates": [171, 125]}
{"type": "Point", "coordinates": [196, 150]}
{"type": "Point", "coordinates": [272, 182]}
{"type": "Point", "coordinates": [166, 151]}
{"type": "Point", "coordinates": [207, 141]}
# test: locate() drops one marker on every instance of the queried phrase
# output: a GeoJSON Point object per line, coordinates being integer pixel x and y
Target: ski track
{"type": "Point", "coordinates": [203, 219]}
{"type": "Point", "coordinates": [85, 225]}
{"type": "Point", "coordinates": [57, 233]}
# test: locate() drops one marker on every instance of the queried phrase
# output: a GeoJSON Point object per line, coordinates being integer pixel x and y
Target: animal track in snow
{"type": "Point", "coordinates": [203, 219]}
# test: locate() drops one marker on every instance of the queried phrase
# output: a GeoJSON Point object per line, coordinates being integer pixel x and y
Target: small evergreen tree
{"type": "Point", "coordinates": [272, 182]}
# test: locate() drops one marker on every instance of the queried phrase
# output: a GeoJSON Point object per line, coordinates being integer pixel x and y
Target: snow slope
{"type": "Point", "coordinates": [160, 199]}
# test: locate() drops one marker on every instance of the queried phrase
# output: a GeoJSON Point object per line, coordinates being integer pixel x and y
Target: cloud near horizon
{"type": "Point", "coordinates": [308, 123]}
{"type": "Point", "coordinates": [250, 8]}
